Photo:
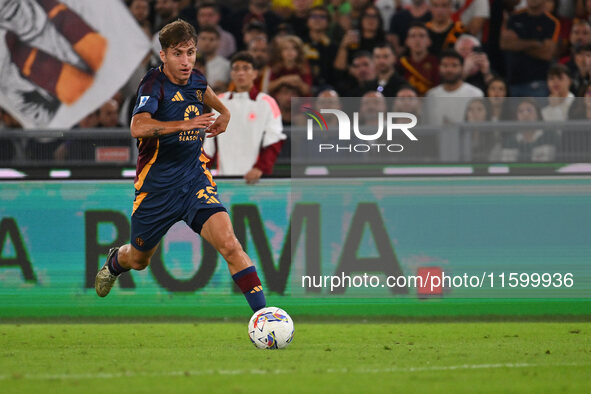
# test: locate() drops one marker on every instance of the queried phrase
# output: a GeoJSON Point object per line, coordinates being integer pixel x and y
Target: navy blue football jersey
{"type": "Point", "coordinates": [169, 161]}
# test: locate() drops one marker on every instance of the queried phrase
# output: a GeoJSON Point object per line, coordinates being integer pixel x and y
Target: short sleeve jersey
{"type": "Point", "coordinates": [522, 68]}
{"type": "Point", "coordinates": [169, 161]}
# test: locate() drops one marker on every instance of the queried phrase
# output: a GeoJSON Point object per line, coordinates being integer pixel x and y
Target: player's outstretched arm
{"type": "Point", "coordinates": [220, 124]}
{"type": "Point", "coordinates": [144, 126]}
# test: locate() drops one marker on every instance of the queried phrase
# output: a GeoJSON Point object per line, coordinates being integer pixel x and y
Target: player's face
{"type": "Point", "coordinates": [243, 75]}
{"type": "Point", "coordinates": [179, 61]}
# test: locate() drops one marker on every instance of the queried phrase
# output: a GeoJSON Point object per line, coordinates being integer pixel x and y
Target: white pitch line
{"type": "Point", "coordinates": [103, 375]}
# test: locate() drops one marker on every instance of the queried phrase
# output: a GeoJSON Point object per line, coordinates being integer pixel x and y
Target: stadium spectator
{"type": "Point", "coordinates": [259, 50]}
{"type": "Point", "coordinates": [283, 94]}
{"type": "Point", "coordinates": [473, 14]}
{"type": "Point", "coordinates": [482, 143]}
{"type": "Point", "coordinates": [443, 30]}
{"type": "Point", "coordinates": [497, 94]}
{"type": "Point", "coordinates": [140, 10]}
{"type": "Point", "coordinates": [419, 67]}
{"type": "Point", "coordinates": [407, 100]}
{"type": "Point", "coordinates": [530, 41]}
{"type": "Point", "coordinates": [217, 68]}
{"type": "Point", "coordinates": [361, 77]}
{"type": "Point", "coordinates": [320, 51]}
{"type": "Point", "coordinates": [329, 99]}
{"type": "Point", "coordinates": [357, 9]}
{"type": "Point", "coordinates": [388, 79]}
{"type": "Point", "coordinates": [188, 11]}
{"type": "Point", "coordinates": [529, 145]}
{"type": "Point", "coordinates": [477, 111]}
{"type": "Point", "coordinates": [447, 102]}
{"type": "Point", "coordinates": [373, 106]}
{"type": "Point", "coordinates": [477, 70]}
{"type": "Point", "coordinates": [403, 18]}
{"type": "Point", "coordinates": [580, 35]}
{"type": "Point", "coordinates": [258, 11]}
{"type": "Point", "coordinates": [576, 144]}
{"type": "Point", "coordinates": [254, 136]}
{"type": "Point", "coordinates": [560, 98]}
{"type": "Point", "coordinates": [289, 65]}
{"type": "Point", "coordinates": [298, 18]}
{"type": "Point", "coordinates": [580, 67]}
{"type": "Point", "coordinates": [369, 34]}
{"type": "Point", "coordinates": [208, 15]}
{"type": "Point", "coordinates": [166, 11]}
{"type": "Point", "coordinates": [108, 115]}
{"type": "Point", "coordinates": [387, 9]}
{"type": "Point", "coordinates": [253, 31]}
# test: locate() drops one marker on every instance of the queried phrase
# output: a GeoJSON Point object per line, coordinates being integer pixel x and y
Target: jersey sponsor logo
{"type": "Point", "coordinates": [143, 101]}
{"type": "Point", "coordinates": [178, 97]}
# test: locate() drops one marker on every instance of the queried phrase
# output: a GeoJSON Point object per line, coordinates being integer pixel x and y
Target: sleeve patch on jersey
{"type": "Point", "coordinates": [143, 101]}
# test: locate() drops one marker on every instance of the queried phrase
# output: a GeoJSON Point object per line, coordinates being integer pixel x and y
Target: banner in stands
{"type": "Point", "coordinates": [60, 60]}
{"type": "Point", "coordinates": [493, 238]}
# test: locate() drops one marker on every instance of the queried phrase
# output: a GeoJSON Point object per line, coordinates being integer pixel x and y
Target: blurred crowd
{"type": "Point", "coordinates": [383, 50]}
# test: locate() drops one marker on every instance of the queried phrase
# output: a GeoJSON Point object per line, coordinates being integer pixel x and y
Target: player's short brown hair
{"type": "Point", "coordinates": [176, 33]}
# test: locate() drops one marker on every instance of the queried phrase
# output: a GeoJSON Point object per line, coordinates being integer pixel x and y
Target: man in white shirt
{"type": "Point", "coordinates": [254, 136]}
{"type": "Point", "coordinates": [447, 102]}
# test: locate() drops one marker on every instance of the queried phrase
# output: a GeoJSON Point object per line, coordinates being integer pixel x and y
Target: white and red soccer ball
{"type": "Point", "coordinates": [270, 328]}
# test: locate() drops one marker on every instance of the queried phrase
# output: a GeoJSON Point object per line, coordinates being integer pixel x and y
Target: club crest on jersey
{"type": "Point", "coordinates": [191, 111]}
{"type": "Point", "coordinates": [199, 94]}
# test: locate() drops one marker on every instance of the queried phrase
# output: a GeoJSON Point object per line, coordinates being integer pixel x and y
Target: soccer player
{"type": "Point", "coordinates": [172, 182]}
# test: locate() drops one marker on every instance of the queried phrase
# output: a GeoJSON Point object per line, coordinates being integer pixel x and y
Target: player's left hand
{"type": "Point", "coordinates": [253, 176]}
{"type": "Point", "coordinates": [218, 127]}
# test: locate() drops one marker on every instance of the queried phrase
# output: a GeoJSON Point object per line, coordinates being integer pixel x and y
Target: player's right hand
{"type": "Point", "coordinates": [200, 121]}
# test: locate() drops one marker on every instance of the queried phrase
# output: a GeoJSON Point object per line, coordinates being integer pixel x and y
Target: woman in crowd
{"type": "Point", "coordinates": [529, 144]}
{"type": "Point", "coordinates": [289, 65]}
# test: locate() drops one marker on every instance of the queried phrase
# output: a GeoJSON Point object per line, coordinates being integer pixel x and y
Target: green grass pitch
{"type": "Point", "coordinates": [442, 357]}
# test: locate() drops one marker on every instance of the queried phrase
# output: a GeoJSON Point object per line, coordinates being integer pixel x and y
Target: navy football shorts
{"type": "Point", "coordinates": [154, 213]}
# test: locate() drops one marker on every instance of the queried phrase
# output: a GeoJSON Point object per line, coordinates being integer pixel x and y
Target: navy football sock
{"type": "Point", "coordinates": [114, 266]}
{"type": "Point", "coordinates": [248, 281]}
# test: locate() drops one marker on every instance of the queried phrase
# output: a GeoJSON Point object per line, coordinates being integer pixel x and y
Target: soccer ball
{"type": "Point", "coordinates": [270, 328]}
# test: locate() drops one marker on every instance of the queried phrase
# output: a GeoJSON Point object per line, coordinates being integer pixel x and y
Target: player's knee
{"type": "Point", "coordinates": [230, 247]}
{"type": "Point", "coordinates": [139, 263]}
